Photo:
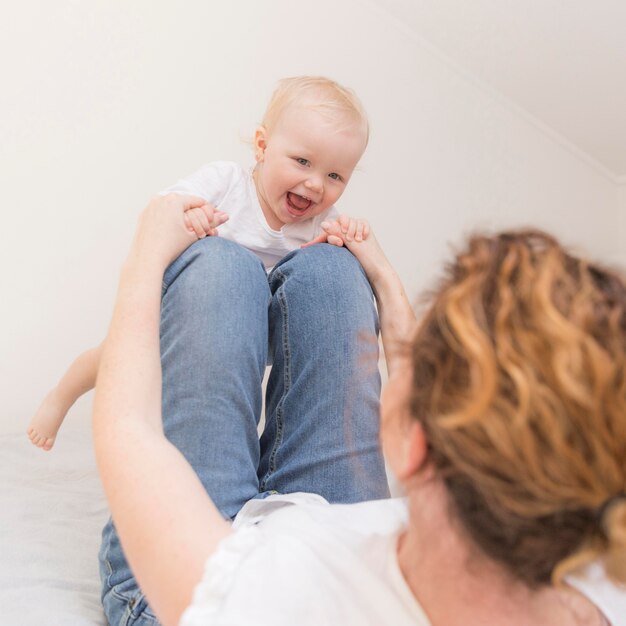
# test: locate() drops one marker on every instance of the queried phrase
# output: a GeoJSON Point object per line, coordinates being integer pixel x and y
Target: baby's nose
{"type": "Point", "coordinates": [314, 184]}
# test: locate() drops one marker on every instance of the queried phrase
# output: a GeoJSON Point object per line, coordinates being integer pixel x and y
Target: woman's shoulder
{"type": "Point", "coordinates": [310, 511]}
{"type": "Point", "coordinates": [336, 560]}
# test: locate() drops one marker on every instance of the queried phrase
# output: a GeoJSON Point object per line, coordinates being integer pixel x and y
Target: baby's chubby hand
{"type": "Point", "coordinates": [349, 229]}
{"type": "Point", "coordinates": [203, 221]}
{"type": "Point", "coordinates": [357, 236]}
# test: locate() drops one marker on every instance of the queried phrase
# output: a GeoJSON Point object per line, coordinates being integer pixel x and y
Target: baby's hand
{"type": "Point", "coordinates": [357, 236]}
{"type": "Point", "coordinates": [203, 221]}
{"type": "Point", "coordinates": [351, 229]}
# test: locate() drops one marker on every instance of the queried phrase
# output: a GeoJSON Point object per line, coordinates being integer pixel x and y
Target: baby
{"type": "Point", "coordinates": [312, 136]}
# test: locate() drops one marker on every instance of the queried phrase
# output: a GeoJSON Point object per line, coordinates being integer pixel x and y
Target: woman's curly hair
{"type": "Point", "coordinates": [519, 373]}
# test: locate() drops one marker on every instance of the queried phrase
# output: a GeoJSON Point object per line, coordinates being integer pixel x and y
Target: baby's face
{"type": "Point", "coordinates": [304, 164]}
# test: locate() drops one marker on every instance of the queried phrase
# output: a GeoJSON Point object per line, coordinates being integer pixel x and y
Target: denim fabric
{"type": "Point", "coordinates": [222, 320]}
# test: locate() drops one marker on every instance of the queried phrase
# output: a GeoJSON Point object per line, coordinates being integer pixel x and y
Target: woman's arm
{"type": "Point", "coordinates": [167, 523]}
{"type": "Point", "coordinates": [397, 318]}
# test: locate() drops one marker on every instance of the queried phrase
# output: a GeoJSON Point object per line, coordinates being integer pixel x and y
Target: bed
{"type": "Point", "coordinates": [52, 512]}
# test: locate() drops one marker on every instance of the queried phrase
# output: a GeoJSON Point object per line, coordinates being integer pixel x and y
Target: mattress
{"type": "Point", "coordinates": [52, 509]}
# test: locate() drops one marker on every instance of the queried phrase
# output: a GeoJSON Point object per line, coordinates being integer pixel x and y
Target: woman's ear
{"type": "Point", "coordinates": [403, 438]}
{"type": "Point", "coordinates": [260, 143]}
{"type": "Point", "coordinates": [413, 451]}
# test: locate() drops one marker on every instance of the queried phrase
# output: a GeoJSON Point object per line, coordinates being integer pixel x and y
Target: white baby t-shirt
{"type": "Point", "coordinates": [230, 188]}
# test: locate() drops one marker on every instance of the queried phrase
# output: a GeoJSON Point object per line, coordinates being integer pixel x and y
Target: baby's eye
{"type": "Point", "coordinates": [335, 176]}
{"type": "Point", "coordinates": [302, 161]}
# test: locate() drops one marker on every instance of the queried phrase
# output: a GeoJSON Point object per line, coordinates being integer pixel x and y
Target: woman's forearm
{"type": "Point", "coordinates": [167, 523]}
{"type": "Point", "coordinates": [129, 377]}
{"type": "Point", "coordinates": [397, 317]}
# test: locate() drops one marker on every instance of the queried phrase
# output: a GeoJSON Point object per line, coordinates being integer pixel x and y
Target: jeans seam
{"type": "Point", "coordinates": [282, 300]}
{"type": "Point", "coordinates": [130, 604]}
{"type": "Point", "coordinates": [109, 567]}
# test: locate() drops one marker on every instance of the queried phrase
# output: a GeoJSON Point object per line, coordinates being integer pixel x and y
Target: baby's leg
{"type": "Point", "coordinates": [322, 409]}
{"type": "Point", "coordinates": [79, 378]}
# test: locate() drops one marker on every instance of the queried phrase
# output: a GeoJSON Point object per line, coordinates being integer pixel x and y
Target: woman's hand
{"type": "Point", "coordinates": [164, 229]}
{"type": "Point", "coordinates": [397, 318]}
{"type": "Point", "coordinates": [350, 228]}
{"type": "Point", "coordinates": [357, 236]}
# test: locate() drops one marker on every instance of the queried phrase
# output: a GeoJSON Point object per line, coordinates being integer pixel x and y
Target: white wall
{"type": "Point", "coordinates": [105, 102]}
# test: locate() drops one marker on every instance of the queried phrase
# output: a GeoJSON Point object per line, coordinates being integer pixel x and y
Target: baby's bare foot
{"type": "Point", "coordinates": [45, 424]}
{"type": "Point", "coordinates": [41, 441]}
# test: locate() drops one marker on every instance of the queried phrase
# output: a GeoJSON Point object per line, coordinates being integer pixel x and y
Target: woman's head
{"type": "Point", "coordinates": [519, 384]}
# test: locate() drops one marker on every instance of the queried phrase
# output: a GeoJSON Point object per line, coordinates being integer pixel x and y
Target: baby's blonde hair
{"type": "Point", "coordinates": [337, 103]}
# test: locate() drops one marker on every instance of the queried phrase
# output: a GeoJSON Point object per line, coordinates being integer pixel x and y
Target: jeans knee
{"type": "Point", "coordinates": [331, 268]}
{"type": "Point", "coordinates": [213, 258]}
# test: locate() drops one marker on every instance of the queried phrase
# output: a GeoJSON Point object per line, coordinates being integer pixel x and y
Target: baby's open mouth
{"type": "Point", "coordinates": [298, 203]}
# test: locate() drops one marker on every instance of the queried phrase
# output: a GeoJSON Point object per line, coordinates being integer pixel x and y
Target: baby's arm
{"type": "Point", "coordinates": [397, 318]}
{"type": "Point", "coordinates": [77, 380]}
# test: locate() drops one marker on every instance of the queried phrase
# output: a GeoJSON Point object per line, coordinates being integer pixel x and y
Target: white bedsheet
{"type": "Point", "coordinates": [52, 510]}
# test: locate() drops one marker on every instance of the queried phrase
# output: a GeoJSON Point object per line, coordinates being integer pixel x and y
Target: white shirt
{"type": "Point", "coordinates": [324, 565]}
{"type": "Point", "coordinates": [230, 188]}
{"type": "Point", "coordinates": [312, 563]}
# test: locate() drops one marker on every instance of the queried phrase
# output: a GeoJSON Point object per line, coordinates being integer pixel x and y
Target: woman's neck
{"type": "Point", "coordinates": [456, 585]}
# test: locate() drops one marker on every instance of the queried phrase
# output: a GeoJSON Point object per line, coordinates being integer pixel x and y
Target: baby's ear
{"type": "Point", "coordinates": [260, 142]}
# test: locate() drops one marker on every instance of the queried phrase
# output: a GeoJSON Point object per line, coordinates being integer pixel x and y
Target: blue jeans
{"type": "Point", "coordinates": [222, 320]}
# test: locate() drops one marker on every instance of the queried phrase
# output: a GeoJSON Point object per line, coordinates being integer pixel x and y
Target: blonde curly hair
{"type": "Point", "coordinates": [519, 379]}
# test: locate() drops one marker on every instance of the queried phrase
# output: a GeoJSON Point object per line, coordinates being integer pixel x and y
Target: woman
{"type": "Point", "coordinates": [503, 420]}
{"type": "Point", "coordinates": [222, 318]}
